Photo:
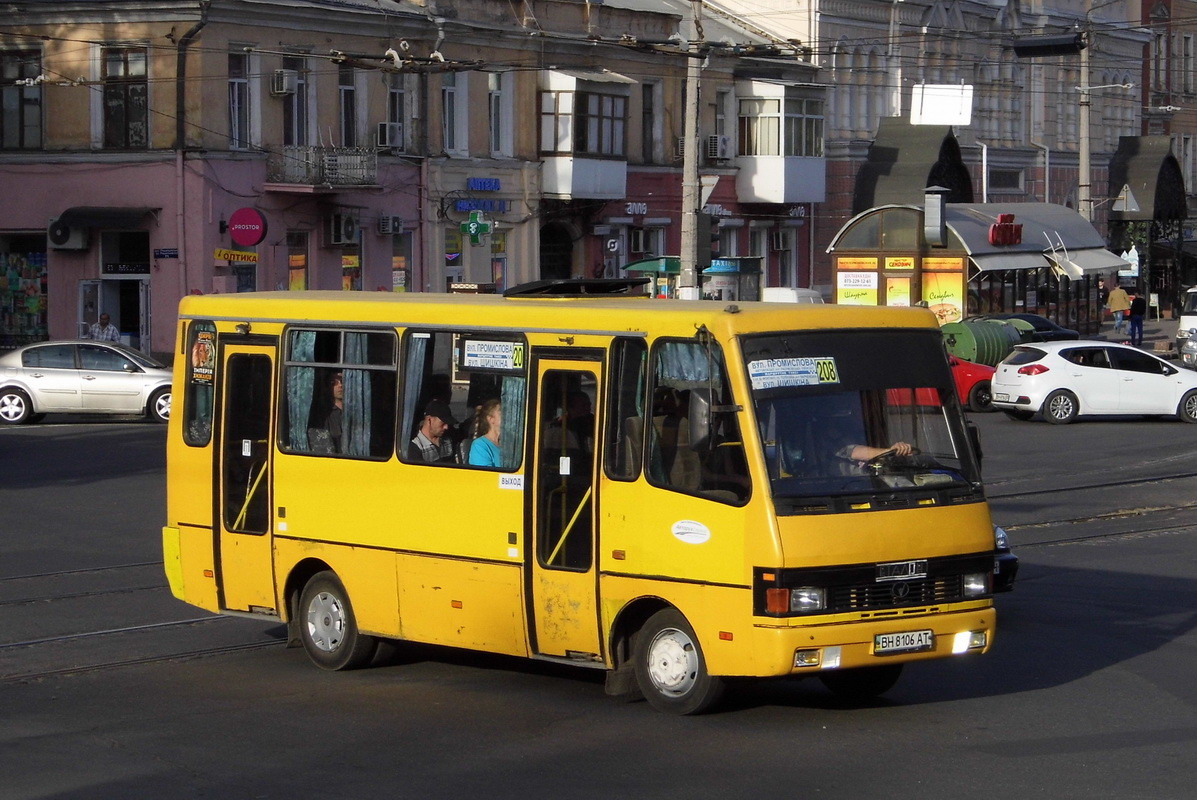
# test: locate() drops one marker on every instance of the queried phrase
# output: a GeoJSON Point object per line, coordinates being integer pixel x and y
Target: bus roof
{"type": "Point", "coordinates": [589, 314]}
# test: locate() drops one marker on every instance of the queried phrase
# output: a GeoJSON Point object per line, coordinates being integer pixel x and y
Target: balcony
{"type": "Point", "coordinates": [781, 179]}
{"type": "Point", "coordinates": [580, 178]}
{"type": "Point", "coordinates": [327, 167]}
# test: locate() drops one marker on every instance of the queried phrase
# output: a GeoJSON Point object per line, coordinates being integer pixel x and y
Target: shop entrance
{"type": "Point", "coordinates": [123, 290]}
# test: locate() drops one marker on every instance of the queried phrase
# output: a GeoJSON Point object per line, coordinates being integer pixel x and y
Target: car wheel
{"type": "Point", "coordinates": [863, 683]}
{"type": "Point", "coordinates": [670, 668]}
{"type": "Point", "coordinates": [15, 407]}
{"type": "Point", "coordinates": [1022, 416]}
{"type": "Point", "coordinates": [158, 409]}
{"type": "Point", "coordinates": [1187, 410]}
{"type": "Point", "coordinates": [980, 397]}
{"type": "Point", "coordinates": [328, 628]}
{"type": "Point", "coordinates": [1060, 407]}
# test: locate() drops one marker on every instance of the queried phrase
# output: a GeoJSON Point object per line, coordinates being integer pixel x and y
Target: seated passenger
{"type": "Point", "coordinates": [431, 442]}
{"type": "Point", "coordinates": [484, 449]}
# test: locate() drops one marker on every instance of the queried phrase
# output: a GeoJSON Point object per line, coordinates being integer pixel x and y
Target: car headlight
{"type": "Point", "coordinates": [1000, 542]}
{"type": "Point", "coordinates": [1183, 334]}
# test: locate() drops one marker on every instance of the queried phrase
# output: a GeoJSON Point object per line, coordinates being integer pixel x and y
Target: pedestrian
{"type": "Point", "coordinates": [1119, 302]}
{"type": "Point", "coordinates": [104, 330]}
{"type": "Point", "coordinates": [1138, 310]}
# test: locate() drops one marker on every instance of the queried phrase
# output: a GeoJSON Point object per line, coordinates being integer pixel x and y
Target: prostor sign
{"type": "Point", "coordinates": [247, 227]}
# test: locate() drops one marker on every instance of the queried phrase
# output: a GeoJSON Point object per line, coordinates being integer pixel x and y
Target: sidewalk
{"type": "Point", "coordinates": [1157, 333]}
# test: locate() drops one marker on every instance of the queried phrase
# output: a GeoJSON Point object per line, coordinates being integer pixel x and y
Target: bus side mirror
{"type": "Point", "coordinates": [974, 438]}
{"type": "Point", "coordinates": [699, 418]}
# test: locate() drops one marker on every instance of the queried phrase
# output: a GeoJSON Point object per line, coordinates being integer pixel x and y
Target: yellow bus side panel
{"type": "Point", "coordinates": [367, 574]}
{"type": "Point", "coordinates": [172, 561]}
{"type": "Point", "coordinates": [462, 603]}
{"type": "Point", "coordinates": [187, 556]}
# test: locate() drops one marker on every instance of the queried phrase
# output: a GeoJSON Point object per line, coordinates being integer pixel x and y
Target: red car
{"type": "Point", "coordinates": [972, 383]}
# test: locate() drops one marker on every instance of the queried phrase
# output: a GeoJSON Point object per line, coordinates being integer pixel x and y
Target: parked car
{"type": "Point", "coordinates": [1043, 329]}
{"type": "Point", "coordinates": [81, 377]}
{"type": "Point", "coordinates": [1188, 349]}
{"type": "Point", "coordinates": [1005, 563]}
{"type": "Point", "coordinates": [1066, 379]}
{"type": "Point", "coordinates": [973, 383]}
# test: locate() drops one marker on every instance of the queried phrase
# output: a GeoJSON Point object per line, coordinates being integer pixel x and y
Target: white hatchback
{"type": "Point", "coordinates": [1066, 379]}
{"type": "Point", "coordinates": [81, 377]}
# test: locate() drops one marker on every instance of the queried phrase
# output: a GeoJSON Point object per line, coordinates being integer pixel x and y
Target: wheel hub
{"type": "Point", "coordinates": [326, 622]}
{"type": "Point", "coordinates": [673, 662]}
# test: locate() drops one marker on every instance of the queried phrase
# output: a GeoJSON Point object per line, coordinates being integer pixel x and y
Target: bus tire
{"type": "Point", "coordinates": [328, 628]}
{"type": "Point", "coordinates": [861, 684]}
{"type": "Point", "coordinates": [670, 667]}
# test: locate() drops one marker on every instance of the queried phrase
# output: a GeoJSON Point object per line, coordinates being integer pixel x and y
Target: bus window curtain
{"type": "Point", "coordinates": [683, 361]}
{"type": "Point", "coordinates": [301, 382]}
{"type": "Point", "coordinates": [511, 432]}
{"type": "Point", "coordinates": [417, 356]}
{"type": "Point", "coordinates": [355, 439]}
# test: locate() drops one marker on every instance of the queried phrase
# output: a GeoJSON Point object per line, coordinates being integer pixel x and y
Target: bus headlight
{"type": "Point", "coordinates": [807, 599]}
{"type": "Point", "coordinates": [976, 584]}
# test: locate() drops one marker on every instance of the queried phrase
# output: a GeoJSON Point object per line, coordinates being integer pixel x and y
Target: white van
{"type": "Point", "coordinates": [784, 294]}
{"type": "Point", "coordinates": [1188, 318]}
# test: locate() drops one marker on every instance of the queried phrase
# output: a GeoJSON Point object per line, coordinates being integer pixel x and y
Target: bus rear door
{"type": "Point", "coordinates": [562, 597]}
{"type": "Point", "coordinates": [245, 520]}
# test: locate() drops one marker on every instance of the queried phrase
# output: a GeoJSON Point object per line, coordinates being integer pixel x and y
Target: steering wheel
{"type": "Point", "coordinates": [885, 456]}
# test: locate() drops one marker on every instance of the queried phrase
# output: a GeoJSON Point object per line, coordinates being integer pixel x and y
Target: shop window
{"type": "Point", "coordinates": [340, 393]}
{"type": "Point", "coordinates": [297, 260]}
{"type": "Point", "coordinates": [126, 96]}
{"type": "Point", "coordinates": [464, 373]}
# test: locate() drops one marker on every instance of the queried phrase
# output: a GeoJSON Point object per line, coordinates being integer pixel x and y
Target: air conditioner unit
{"type": "Point", "coordinates": [66, 237]}
{"type": "Point", "coordinates": [718, 148]}
{"type": "Point", "coordinates": [390, 135]}
{"type": "Point", "coordinates": [777, 240]}
{"type": "Point", "coordinates": [388, 225]}
{"type": "Point", "coordinates": [284, 82]}
{"type": "Point", "coordinates": [638, 240]}
{"type": "Point", "coordinates": [342, 229]}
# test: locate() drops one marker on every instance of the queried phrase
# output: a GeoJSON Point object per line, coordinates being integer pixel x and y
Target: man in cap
{"type": "Point", "coordinates": [432, 442]}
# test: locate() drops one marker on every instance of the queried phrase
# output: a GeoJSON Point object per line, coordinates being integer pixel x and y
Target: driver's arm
{"type": "Point", "coordinates": [862, 452]}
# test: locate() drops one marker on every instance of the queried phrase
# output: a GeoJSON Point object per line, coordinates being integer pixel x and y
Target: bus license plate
{"type": "Point", "coordinates": [904, 642]}
{"type": "Point", "coordinates": [1004, 398]}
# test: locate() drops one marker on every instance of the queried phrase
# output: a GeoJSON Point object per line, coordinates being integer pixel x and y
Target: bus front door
{"type": "Point", "coordinates": [245, 519]}
{"type": "Point", "coordinates": [563, 607]}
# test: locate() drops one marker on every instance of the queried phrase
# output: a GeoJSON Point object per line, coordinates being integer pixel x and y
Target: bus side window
{"type": "Point", "coordinates": [201, 376]}
{"type": "Point", "coordinates": [340, 393]}
{"type": "Point", "coordinates": [694, 441]}
{"type": "Point", "coordinates": [625, 423]}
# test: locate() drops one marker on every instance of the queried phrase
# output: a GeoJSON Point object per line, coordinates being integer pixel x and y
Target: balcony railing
{"type": "Point", "coordinates": [325, 166]}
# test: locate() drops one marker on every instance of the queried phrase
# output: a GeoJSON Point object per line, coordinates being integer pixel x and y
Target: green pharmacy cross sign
{"type": "Point", "coordinates": [476, 227]}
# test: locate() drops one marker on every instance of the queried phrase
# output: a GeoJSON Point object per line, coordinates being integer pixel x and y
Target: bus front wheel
{"type": "Point", "coordinates": [670, 668]}
{"type": "Point", "coordinates": [328, 628]}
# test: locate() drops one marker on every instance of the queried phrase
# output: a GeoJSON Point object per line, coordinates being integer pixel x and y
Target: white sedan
{"type": "Point", "coordinates": [1066, 379]}
{"type": "Point", "coordinates": [82, 377]}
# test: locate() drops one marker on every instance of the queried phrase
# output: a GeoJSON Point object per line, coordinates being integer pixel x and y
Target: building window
{"type": "Point", "coordinates": [556, 121]}
{"type": "Point", "coordinates": [1159, 61]}
{"type": "Point", "coordinates": [20, 105]}
{"type": "Point", "coordinates": [600, 124]}
{"type": "Point", "coordinates": [295, 106]}
{"type": "Point", "coordinates": [1187, 64]}
{"type": "Point", "coordinates": [760, 127]}
{"type": "Point", "coordinates": [494, 106]}
{"type": "Point", "coordinates": [239, 101]}
{"type": "Point", "coordinates": [297, 260]}
{"type": "Point", "coordinates": [347, 87]}
{"type": "Point", "coordinates": [649, 121]}
{"type": "Point", "coordinates": [1005, 180]}
{"type": "Point", "coordinates": [396, 112]}
{"type": "Point", "coordinates": [126, 97]}
{"type": "Point", "coordinates": [804, 128]}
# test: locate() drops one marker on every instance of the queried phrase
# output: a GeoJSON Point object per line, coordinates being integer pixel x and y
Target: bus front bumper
{"type": "Point", "coordinates": [793, 649]}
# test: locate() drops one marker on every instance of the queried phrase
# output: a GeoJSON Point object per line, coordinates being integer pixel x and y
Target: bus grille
{"type": "Point", "coordinates": [896, 594]}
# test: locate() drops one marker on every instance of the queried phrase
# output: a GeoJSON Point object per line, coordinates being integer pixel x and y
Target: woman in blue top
{"type": "Point", "coordinates": [484, 451]}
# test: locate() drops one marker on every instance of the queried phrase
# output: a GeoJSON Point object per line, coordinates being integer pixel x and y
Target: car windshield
{"type": "Point", "coordinates": [1190, 303]}
{"type": "Point", "coordinates": [847, 414]}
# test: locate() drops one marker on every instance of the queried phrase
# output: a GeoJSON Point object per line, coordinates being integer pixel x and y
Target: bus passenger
{"type": "Point", "coordinates": [430, 442]}
{"type": "Point", "coordinates": [484, 449]}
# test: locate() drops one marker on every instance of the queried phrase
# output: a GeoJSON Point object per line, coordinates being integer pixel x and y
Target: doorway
{"type": "Point", "coordinates": [556, 252]}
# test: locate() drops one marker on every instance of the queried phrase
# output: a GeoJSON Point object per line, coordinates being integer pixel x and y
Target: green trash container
{"type": "Point", "coordinates": [981, 341]}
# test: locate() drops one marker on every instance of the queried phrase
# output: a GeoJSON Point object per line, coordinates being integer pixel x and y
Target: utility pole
{"type": "Point", "coordinates": [688, 280]}
{"type": "Point", "coordinates": [1084, 200]}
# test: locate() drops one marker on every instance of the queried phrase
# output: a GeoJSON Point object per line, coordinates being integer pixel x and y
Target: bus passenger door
{"type": "Point", "coordinates": [244, 516]}
{"type": "Point", "coordinates": [563, 608]}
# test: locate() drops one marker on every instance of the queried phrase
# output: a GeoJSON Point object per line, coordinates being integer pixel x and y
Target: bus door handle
{"type": "Point", "coordinates": [253, 482]}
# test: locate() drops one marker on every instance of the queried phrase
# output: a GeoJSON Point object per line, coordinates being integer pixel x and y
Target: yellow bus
{"type": "Point", "coordinates": [672, 492]}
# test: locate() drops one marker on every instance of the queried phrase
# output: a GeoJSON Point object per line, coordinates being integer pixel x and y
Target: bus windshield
{"type": "Point", "coordinates": [847, 414]}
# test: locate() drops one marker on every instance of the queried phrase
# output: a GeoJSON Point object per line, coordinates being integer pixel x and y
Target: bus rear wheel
{"type": "Point", "coordinates": [861, 684]}
{"type": "Point", "coordinates": [328, 628]}
{"type": "Point", "coordinates": [670, 668]}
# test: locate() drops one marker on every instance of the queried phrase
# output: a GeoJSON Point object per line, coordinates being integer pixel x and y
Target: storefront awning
{"type": "Point", "coordinates": [105, 216]}
{"type": "Point", "coordinates": [567, 79]}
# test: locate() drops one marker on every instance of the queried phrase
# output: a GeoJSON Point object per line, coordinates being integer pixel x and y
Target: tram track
{"type": "Point", "coordinates": [80, 669]}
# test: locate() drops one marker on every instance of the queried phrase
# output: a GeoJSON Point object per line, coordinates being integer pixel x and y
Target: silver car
{"type": "Point", "coordinates": [81, 377]}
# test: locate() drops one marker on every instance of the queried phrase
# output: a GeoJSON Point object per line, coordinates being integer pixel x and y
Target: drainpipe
{"type": "Point", "coordinates": [984, 172]}
{"type": "Point", "coordinates": [181, 141]}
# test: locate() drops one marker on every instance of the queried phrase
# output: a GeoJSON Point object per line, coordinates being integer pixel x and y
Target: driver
{"type": "Point", "coordinates": [862, 452]}
{"type": "Point", "coordinates": [852, 457]}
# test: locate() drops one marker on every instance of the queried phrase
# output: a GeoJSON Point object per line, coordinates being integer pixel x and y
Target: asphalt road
{"type": "Point", "coordinates": [109, 688]}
